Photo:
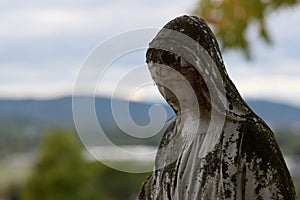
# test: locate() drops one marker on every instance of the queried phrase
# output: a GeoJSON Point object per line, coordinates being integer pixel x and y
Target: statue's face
{"type": "Point", "coordinates": [177, 80]}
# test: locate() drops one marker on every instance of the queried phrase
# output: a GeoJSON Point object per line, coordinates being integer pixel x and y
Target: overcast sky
{"type": "Point", "coordinates": [44, 43]}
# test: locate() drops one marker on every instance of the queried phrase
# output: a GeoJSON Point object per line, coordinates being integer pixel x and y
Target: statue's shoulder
{"type": "Point", "coordinates": [258, 139]}
{"type": "Point", "coordinates": [262, 161]}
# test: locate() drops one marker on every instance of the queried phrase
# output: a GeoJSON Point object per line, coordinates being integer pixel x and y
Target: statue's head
{"type": "Point", "coordinates": [185, 61]}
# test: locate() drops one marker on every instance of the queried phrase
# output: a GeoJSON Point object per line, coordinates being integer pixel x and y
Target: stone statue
{"type": "Point", "coordinates": [217, 148]}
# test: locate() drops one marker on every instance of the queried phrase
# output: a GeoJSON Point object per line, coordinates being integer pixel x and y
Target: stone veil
{"type": "Point", "coordinates": [217, 147]}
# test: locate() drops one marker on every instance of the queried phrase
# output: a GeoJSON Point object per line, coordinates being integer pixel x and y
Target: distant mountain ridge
{"type": "Point", "coordinates": [23, 122]}
{"type": "Point", "coordinates": [276, 114]}
{"type": "Point", "coordinates": [59, 111]}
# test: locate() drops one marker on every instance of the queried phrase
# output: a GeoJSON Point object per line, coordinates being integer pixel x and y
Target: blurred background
{"type": "Point", "coordinates": [43, 45]}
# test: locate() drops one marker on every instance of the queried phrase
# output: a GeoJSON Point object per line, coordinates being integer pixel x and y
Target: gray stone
{"type": "Point", "coordinates": [217, 148]}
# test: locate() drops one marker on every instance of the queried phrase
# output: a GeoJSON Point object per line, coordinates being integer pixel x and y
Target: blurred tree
{"type": "Point", "coordinates": [288, 141]}
{"type": "Point", "coordinates": [231, 18]}
{"type": "Point", "coordinates": [61, 173]}
{"type": "Point", "coordinates": [58, 173]}
{"type": "Point", "coordinates": [11, 191]}
{"type": "Point", "coordinates": [109, 184]}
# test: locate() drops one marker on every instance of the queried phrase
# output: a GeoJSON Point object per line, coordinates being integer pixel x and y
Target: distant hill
{"type": "Point", "coordinates": [59, 111]}
{"type": "Point", "coordinates": [276, 114]}
{"type": "Point", "coordinates": [22, 121]}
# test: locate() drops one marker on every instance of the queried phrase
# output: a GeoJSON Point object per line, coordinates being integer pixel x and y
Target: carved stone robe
{"type": "Point", "coordinates": [217, 148]}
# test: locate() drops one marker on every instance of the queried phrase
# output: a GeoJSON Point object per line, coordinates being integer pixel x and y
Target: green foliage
{"type": "Point", "coordinates": [231, 18]}
{"type": "Point", "coordinates": [13, 134]}
{"type": "Point", "coordinates": [59, 171]}
{"type": "Point", "coordinates": [109, 184]}
{"type": "Point", "coordinates": [288, 141]}
{"type": "Point", "coordinates": [11, 191]}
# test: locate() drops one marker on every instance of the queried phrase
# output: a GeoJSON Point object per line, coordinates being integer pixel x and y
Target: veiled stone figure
{"type": "Point", "coordinates": [217, 148]}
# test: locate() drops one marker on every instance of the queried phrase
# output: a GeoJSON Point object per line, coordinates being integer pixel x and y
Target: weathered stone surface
{"type": "Point", "coordinates": [240, 160]}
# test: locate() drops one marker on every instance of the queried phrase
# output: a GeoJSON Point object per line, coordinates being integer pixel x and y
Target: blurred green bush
{"type": "Point", "coordinates": [61, 173]}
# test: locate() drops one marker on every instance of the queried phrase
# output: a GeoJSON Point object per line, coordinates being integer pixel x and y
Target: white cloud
{"type": "Point", "coordinates": [284, 24]}
{"type": "Point", "coordinates": [35, 90]}
{"type": "Point", "coordinates": [32, 23]}
{"type": "Point", "coordinates": [280, 82]}
{"type": "Point", "coordinates": [55, 19]}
